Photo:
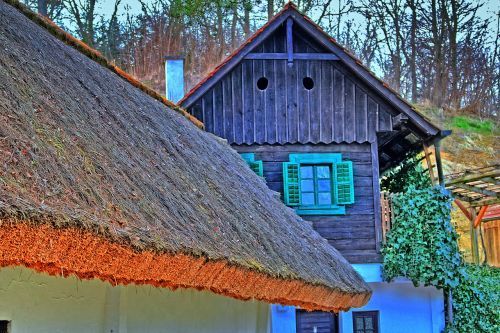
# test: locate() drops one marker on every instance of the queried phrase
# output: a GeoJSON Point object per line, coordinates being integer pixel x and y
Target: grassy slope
{"type": "Point", "coordinates": [474, 143]}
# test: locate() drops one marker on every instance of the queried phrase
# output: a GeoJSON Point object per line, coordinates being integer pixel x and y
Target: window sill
{"type": "Point", "coordinates": [333, 210]}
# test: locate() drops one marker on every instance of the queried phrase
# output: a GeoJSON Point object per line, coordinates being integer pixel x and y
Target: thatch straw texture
{"type": "Point", "coordinates": [82, 149]}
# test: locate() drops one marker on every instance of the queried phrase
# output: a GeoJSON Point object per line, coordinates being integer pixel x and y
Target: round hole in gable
{"type": "Point", "coordinates": [262, 83]}
{"type": "Point", "coordinates": [308, 83]}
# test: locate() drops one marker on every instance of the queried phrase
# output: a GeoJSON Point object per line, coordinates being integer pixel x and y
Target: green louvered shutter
{"type": "Point", "coordinates": [344, 185]}
{"type": "Point", "coordinates": [256, 166]}
{"type": "Point", "coordinates": [291, 183]}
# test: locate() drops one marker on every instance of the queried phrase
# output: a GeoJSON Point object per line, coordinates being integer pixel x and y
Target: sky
{"type": "Point", "coordinates": [106, 7]}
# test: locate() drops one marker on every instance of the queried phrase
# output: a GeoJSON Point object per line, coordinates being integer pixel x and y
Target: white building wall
{"type": "Point", "coordinates": [35, 302]}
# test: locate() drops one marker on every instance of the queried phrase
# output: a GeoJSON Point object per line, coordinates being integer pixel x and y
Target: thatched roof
{"type": "Point", "coordinates": [85, 153]}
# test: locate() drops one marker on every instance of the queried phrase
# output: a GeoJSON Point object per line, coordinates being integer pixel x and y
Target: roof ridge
{"type": "Point", "coordinates": [97, 57]}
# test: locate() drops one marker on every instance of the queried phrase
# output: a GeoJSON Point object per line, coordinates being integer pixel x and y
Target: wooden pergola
{"type": "Point", "coordinates": [477, 194]}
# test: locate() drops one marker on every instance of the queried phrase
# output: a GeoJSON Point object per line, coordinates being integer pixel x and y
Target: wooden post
{"type": "Point", "coordinates": [473, 237]}
{"type": "Point", "coordinates": [439, 165]}
{"type": "Point", "coordinates": [429, 164]}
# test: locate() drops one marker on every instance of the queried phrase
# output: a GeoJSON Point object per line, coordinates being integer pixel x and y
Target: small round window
{"type": "Point", "coordinates": [262, 83]}
{"type": "Point", "coordinates": [308, 83]}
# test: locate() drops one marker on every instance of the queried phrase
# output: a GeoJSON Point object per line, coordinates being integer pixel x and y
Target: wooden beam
{"type": "Point", "coordinates": [473, 177]}
{"type": "Point", "coordinates": [479, 217]}
{"type": "Point", "coordinates": [478, 190]}
{"type": "Point", "coordinates": [484, 202]}
{"type": "Point", "coordinates": [463, 209]}
{"type": "Point", "coordinates": [463, 198]}
{"type": "Point", "coordinates": [289, 41]}
{"type": "Point", "coordinates": [296, 56]}
{"type": "Point", "coordinates": [491, 180]}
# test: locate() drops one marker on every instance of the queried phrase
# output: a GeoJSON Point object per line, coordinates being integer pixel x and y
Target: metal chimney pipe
{"type": "Point", "coordinates": [174, 78]}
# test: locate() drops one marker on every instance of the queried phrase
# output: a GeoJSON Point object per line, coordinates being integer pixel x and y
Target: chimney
{"type": "Point", "coordinates": [174, 78]}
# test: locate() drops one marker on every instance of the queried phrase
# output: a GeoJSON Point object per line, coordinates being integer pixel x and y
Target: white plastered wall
{"type": "Point", "coordinates": [36, 302]}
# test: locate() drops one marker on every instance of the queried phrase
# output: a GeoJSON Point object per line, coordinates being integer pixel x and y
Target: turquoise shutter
{"type": "Point", "coordinates": [291, 183]}
{"type": "Point", "coordinates": [256, 166]}
{"type": "Point", "coordinates": [344, 184]}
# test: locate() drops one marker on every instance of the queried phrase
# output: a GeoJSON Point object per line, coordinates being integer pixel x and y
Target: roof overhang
{"type": "Point", "coordinates": [73, 251]}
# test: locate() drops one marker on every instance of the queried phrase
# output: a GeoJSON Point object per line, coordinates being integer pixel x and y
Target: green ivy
{"type": "Point", "coordinates": [422, 246]}
{"type": "Point", "coordinates": [476, 301]}
{"type": "Point", "coordinates": [410, 173]}
{"type": "Point", "coordinates": [422, 243]}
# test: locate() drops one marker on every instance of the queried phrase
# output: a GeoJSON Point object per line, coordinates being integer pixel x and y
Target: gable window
{"type": "Point", "coordinates": [256, 166]}
{"type": "Point", "coordinates": [318, 184]}
{"type": "Point", "coordinates": [365, 322]}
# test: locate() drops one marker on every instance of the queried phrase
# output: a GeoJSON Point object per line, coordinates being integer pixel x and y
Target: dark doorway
{"type": "Point", "coordinates": [4, 326]}
{"type": "Point", "coordinates": [316, 322]}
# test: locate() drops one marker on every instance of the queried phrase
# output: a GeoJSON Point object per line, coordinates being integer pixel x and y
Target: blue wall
{"type": "Point", "coordinates": [282, 319]}
{"type": "Point", "coordinates": [402, 307]}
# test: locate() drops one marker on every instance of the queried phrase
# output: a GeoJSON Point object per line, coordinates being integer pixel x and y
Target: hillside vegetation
{"type": "Point", "coordinates": [474, 143]}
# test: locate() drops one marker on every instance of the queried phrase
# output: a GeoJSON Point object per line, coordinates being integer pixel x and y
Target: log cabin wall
{"type": "Point", "coordinates": [353, 234]}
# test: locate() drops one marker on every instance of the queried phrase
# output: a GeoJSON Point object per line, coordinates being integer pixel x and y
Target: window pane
{"type": "Point", "coordinates": [307, 185]}
{"type": "Point", "coordinates": [323, 171]}
{"type": "Point", "coordinates": [306, 172]}
{"type": "Point", "coordinates": [359, 324]}
{"type": "Point", "coordinates": [324, 198]}
{"type": "Point", "coordinates": [307, 199]}
{"type": "Point", "coordinates": [324, 185]}
{"type": "Point", "coordinates": [368, 323]}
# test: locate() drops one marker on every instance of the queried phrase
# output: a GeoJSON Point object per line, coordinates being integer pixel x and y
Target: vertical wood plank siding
{"type": "Point", "coordinates": [339, 108]}
{"type": "Point", "coordinates": [353, 234]}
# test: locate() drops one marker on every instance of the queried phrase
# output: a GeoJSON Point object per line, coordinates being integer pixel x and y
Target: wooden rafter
{"type": "Point", "coordinates": [478, 187]}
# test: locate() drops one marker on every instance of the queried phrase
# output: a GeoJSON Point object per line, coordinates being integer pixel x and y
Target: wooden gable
{"type": "Point", "coordinates": [346, 104]}
{"type": "Point", "coordinates": [338, 108]}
